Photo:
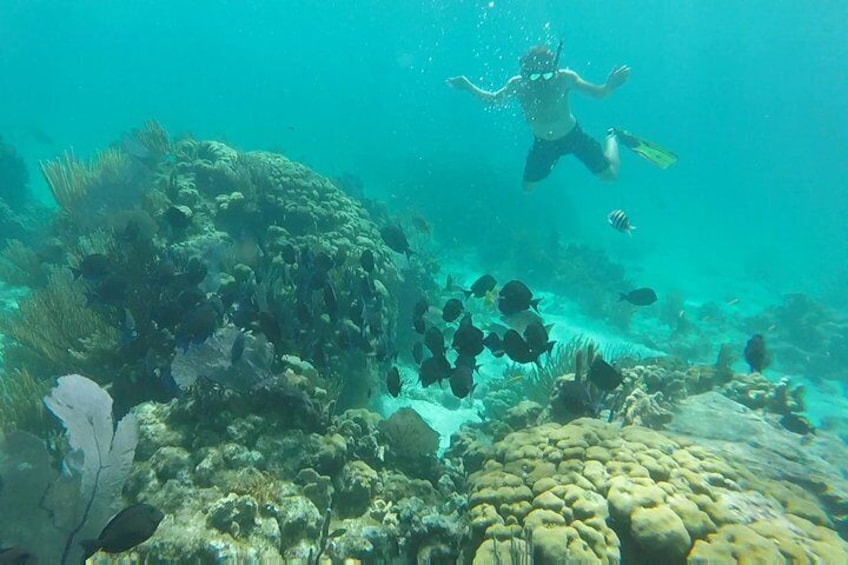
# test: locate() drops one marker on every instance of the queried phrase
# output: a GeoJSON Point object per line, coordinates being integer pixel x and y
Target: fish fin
{"type": "Point", "coordinates": [89, 548]}
{"type": "Point", "coordinates": [622, 296]}
{"type": "Point", "coordinates": [535, 304]}
{"type": "Point", "coordinates": [550, 347]}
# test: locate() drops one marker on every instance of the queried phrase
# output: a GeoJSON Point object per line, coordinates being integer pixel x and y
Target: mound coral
{"type": "Point", "coordinates": [592, 492]}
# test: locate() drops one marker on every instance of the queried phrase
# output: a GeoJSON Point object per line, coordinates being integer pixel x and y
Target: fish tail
{"type": "Point", "coordinates": [535, 304]}
{"type": "Point", "coordinates": [467, 293]}
{"type": "Point", "coordinates": [622, 296]}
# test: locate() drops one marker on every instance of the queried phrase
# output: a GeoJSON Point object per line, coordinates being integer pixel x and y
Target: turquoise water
{"type": "Point", "coordinates": [750, 96]}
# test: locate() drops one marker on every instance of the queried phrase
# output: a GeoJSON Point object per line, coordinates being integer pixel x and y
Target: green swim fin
{"type": "Point", "coordinates": [662, 158]}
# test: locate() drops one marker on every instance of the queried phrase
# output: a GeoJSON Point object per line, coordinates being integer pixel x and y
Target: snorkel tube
{"type": "Point", "coordinates": [558, 53]}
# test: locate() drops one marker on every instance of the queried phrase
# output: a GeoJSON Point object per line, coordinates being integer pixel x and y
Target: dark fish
{"type": "Point", "coordinates": [111, 291]}
{"type": "Point", "coordinates": [17, 556]}
{"type": "Point", "coordinates": [494, 344]}
{"type": "Point", "coordinates": [640, 297]}
{"type": "Point", "coordinates": [433, 369]}
{"type": "Point", "coordinates": [470, 361]}
{"type": "Point", "coordinates": [385, 350]}
{"type": "Point", "coordinates": [167, 314]}
{"type": "Point", "coordinates": [178, 217]}
{"type": "Point", "coordinates": [481, 287]}
{"type": "Point", "coordinates": [420, 223]}
{"type": "Point", "coordinates": [434, 341]}
{"type": "Point", "coordinates": [516, 348]}
{"type": "Point", "coordinates": [198, 325]}
{"type": "Point", "coordinates": [340, 257]}
{"type": "Point", "coordinates": [418, 352]}
{"type": "Point", "coordinates": [420, 309]}
{"type": "Point", "coordinates": [468, 340]}
{"type": "Point", "coordinates": [237, 349]}
{"type": "Point", "coordinates": [453, 308]}
{"type": "Point", "coordinates": [396, 240]}
{"type": "Point", "coordinates": [269, 326]}
{"type": "Point", "coordinates": [128, 528]}
{"type": "Point", "coordinates": [393, 382]}
{"type": "Point", "coordinates": [322, 261]}
{"type": "Point", "coordinates": [536, 336]}
{"type": "Point", "coordinates": [191, 297]}
{"type": "Point", "coordinates": [367, 261]}
{"type": "Point", "coordinates": [515, 297]}
{"type": "Point", "coordinates": [461, 381]}
{"type": "Point", "coordinates": [795, 423]}
{"type": "Point", "coordinates": [93, 267]}
{"type": "Point", "coordinates": [418, 325]}
{"type": "Point", "coordinates": [619, 221]}
{"type": "Point", "coordinates": [603, 375]}
{"type": "Point", "coordinates": [756, 354]}
{"type": "Point", "coordinates": [289, 254]}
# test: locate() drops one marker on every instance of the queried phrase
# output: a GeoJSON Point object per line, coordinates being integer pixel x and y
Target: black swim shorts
{"type": "Point", "coordinates": [545, 153]}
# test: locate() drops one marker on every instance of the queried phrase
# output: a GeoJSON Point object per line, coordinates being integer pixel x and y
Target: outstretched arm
{"type": "Point", "coordinates": [500, 96]}
{"type": "Point", "coordinates": [617, 77]}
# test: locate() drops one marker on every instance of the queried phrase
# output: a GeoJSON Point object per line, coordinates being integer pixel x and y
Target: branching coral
{"type": "Point", "coordinates": [21, 406]}
{"type": "Point", "coordinates": [20, 265]}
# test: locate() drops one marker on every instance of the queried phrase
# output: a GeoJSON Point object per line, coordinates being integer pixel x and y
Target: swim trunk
{"type": "Point", "coordinates": [544, 154]}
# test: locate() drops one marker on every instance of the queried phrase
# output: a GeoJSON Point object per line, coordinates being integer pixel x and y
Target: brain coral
{"type": "Point", "coordinates": [591, 492]}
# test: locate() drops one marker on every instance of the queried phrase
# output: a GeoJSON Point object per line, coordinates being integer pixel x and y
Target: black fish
{"type": "Point", "coordinates": [237, 349]}
{"type": "Point", "coordinates": [178, 217]}
{"type": "Point", "coordinates": [619, 221]}
{"type": "Point", "coordinates": [453, 308]}
{"type": "Point", "coordinates": [470, 361]}
{"type": "Point", "coordinates": [640, 297]}
{"type": "Point", "coordinates": [323, 261]}
{"type": "Point", "coordinates": [536, 336]}
{"type": "Point", "coordinates": [191, 297]}
{"type": "Point", "coordinates": [111, 291]}
{"type": "Point", "coordinates": [797, 423]}
{"type": "Point", "coordinates": [367, 261]}
{"type": "Point", "coordinates": [515, 297]}
{"type": "Point", "coordinates": [289, 254]}
{"type": "Point", "coordinates": [603, 375]}
{"type": "Point", "coordinates": [433, 369]}
{"type": "Point", "coordinates": [516, 348]}
{"type": "Point", "coordinates": [17, 556]}
{"type": "Point", "coordinates": [434, 341]}
{"type": "Point", "coordinates": [494, 343]}
{"type": "Point", "coordinates": [420, 309]}
{"type": "Point", "coordinates": [128, 528]}
{"type": "Point", "coordinates": [198, 325]}
{"type": "Point", "coordinates": [93, 267]}
{"type": "Point", "coordinates": [396, 240]}
{"type": "Point", "coordinates": [462, 381]}
{"type": "Point", "coordinates": [481, 287]}
{"type": "Point", "coordinates": [756, 354]}
{"type": "Point", "coordinates": [393, 382]}
{"type": "Point", "coordinates": [418, 352]}
{"type": "Point", "coordinates": [269, 326]}
{"type": "Point", "coordinates": [418, 325]}
{"type": "Point", "coordinates": [468, 340]}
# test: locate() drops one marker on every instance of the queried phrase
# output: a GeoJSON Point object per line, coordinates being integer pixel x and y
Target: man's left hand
{"type": "Point", "coordinates": [618, 76]}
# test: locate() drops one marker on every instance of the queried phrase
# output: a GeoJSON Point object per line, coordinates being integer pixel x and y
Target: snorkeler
{"type": "Point", "coordinates": [543, 90]}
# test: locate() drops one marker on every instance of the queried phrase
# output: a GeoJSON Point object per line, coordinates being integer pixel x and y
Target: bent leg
{"type": "Point", "coordinates": [611, 153]}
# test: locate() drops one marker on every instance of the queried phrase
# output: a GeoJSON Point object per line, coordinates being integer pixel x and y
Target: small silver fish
{"type": "Point", "coordinates": [619, 220]}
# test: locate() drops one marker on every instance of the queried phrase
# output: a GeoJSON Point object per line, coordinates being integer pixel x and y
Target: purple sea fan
{"type": "Point", "coordinates": [213, 360]}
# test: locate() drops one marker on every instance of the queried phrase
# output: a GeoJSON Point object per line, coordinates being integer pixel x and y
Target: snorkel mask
{"type": "Point", "coordinates": [546, 75]}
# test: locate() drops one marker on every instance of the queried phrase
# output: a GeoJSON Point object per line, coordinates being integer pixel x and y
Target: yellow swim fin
{"type": "Point", "coordinates": [662, 158]}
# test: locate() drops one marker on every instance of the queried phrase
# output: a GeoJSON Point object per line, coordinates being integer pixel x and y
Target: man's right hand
{"type": "Point", "coordinates": [459, 83]}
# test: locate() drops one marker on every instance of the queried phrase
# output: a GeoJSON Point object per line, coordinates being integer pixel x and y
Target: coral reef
{"type": "Point", "coordinates": [591, 492]}
{"type": "Point", "coordinates": [240, 485]}
{"type": "Point", "coordinates": [14, 178]}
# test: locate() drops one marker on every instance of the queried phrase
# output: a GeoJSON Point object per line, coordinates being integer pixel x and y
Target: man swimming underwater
{"type": "Point", "coordinates": [543, 90]}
